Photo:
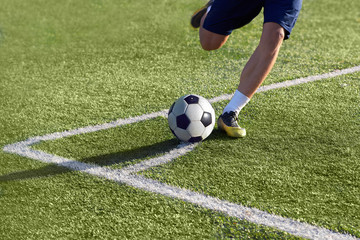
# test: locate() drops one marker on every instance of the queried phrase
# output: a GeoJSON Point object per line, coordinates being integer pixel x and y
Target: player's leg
{"type": "Point", "coordinates": [262, 60]}
{"type": "Point", "coordinates": [210, 40]}
{"type": "Point", "coordinates": [198, 14]}
{"type": "Point", "coordinates": [279, 19]}
{"type": "Point", "coordinates": [253, 74]}
{"type": "Point", "coordinates": [220, 17]}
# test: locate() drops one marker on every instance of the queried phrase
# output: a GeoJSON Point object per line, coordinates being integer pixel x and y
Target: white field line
{"type": "Point", "coordinates": [294, 82]}
{"type": "Point", "coordinates": [127, 176]}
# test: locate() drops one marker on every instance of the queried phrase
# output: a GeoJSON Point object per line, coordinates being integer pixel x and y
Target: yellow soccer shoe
{"type": "Point", "coordinates": [228, 122]}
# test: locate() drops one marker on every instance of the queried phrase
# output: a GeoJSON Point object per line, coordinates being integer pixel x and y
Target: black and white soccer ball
{"type": "Point", "coordinates": [191, 118]}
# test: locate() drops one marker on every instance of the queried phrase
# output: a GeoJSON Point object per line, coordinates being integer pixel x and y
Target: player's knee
{"type": "Point", "coordinates": [211, 41]}
{"type": "Point", "coordinates": [278, 36]}
{"type": "Point", "coordinates": [273, 40]}
{"type": "Point", "coordinates": [209, 46]}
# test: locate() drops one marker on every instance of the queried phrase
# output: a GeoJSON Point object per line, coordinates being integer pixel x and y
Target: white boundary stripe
{"type": "Point", "coordinates": [126, 175]}
{"type": "Point", "coordinates": [104, 126]}
{"type": "Point", "coordinates": [250, 214]}
{"type": "Point", "coordinates": [294, 82]}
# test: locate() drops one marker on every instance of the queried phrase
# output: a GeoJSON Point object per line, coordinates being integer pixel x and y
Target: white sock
{"type": "Point", "coordinates": [238, 101]}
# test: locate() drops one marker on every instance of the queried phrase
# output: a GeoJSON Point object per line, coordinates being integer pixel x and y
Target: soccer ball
{"type": "Point", "coordinates": [191, 118]}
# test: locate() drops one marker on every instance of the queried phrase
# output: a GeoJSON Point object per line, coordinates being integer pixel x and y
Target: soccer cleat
{"type": "Point", "coordinates": [228, 123]}
{"type": "Point", "coordinates": [196, 17]}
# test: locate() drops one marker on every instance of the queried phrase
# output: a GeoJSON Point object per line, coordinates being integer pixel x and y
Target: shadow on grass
{"type": "Point", "coordinates": [217, 135]}
{"type": "Point", "coordinates": [101, 160]}
{"type": "Point", "coordinates": [122, 157]}
{"type": "Point", "coordinates": [147, 151]}
{"type": "Point", "coordinates": [46, 171]}
{"type": "Point", "coordinates": [133, 154]}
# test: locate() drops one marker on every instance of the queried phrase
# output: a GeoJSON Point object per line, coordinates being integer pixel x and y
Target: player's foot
{"type": "Point", "coordinates": [228, 123]}
{"type": "Point", "coordinates": [196, 17]}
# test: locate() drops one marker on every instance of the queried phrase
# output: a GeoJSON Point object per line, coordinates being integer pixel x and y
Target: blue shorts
{"type": "Point", "coordinates": [227, 15]}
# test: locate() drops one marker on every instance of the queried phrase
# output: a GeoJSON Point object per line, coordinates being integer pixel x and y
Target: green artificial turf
{"type": "Point", "coordinates": [116, 147]}
{"type": "Point", "coordinates": [299, 160]}
{"type": "Point", "coordinates": [72, 205]}
{"type": "Point", "coordinates": [69, 64]}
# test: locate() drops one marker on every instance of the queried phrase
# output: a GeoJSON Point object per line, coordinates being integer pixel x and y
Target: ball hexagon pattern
{"type": "Point", "coordinates": [182, 121]}
{"type": "Point", "coordinates": [206, 119]}
{"type": "Point", "coordinates": [191, 118]}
